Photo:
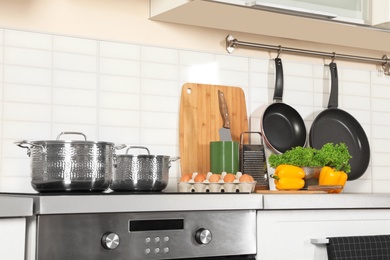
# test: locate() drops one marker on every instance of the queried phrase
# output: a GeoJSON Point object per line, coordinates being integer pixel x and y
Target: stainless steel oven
{"type": "Point", "coordinates": [156, 235]}
{"type": "Point", "coordinates": [142, 226]}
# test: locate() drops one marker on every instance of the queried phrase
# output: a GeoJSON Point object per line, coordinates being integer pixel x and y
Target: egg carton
{"type": "Point", "coordinates": [217, 187]}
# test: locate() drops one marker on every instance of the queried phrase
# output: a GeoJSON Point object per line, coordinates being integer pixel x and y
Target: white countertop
{"type": "Point", "coordinates": [15, 207]}
{"type": "Point", "coordinates": [66, 204]}
{"type": "Point", "coordinates": [326, 201]}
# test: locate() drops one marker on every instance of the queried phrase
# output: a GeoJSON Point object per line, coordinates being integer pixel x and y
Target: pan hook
{"type": "Point", "coordinates": [386, 65]}
{"type": "Point", "coordinates": [279, 51]}
{"type": "Point", "coordinates": [333, 57]}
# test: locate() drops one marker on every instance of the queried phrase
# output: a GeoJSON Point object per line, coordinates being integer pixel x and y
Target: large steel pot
{"type": "Point", "coordinates": [70, 165]}
{"type": "Point", "coordinates": [142, 172]}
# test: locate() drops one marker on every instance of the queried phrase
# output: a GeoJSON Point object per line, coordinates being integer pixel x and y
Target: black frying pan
{"type": "Point", "coordinates": [282, 126]}
{"type": "Point", "coordinates": [334, 125]}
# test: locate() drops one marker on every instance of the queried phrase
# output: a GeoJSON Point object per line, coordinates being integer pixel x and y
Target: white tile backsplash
{"type": "Point", "coordinates": [25, 39]}
{"type": "Point", "coordinates": [120, 135]}
{"type": "Point", "coordinates": [25, 130]}
{"type": "Point", "coordinates": [16, 167]}
{"type": "Point", "coordinates": [74, 97]}
{"type": "Point", "coordinates": [27, 75]}
{"type": "Point", "coordinates": [73, 115]}
{"type": "Point", "coordinates": [356, 89]}
{"type": "Point", "coordinates": [119, 67]}
{"type": "Point", "coordinates": [380, 132]}
{"type": "Point", "coordinates": [159, 103]}
{"type": "Point", "coordinates": [380, 118]}
{"type": "Point", "coordinates": [26, 112]}
{"type": "Point", "coordinates": [27, 93]}
{"type": "Point", "coordinates": [27, 57]}
{"type": "Point", "coordinates": [159, 71]}
{"type": "Point", "coordinates": [75, 62]}
{"type": "Point", "coordinates": [116, 100]}
{"type": "Point", "coordinates": [159, 120]}
{"type": "Point", "coordinates": [160, 87]}
{"type": "Point", "coordinates": [121, 84]}
{"type": "Point", "coordinates": [120, 50]}
{"type": "Point", "coordinates": [1, 53]}
{"type": "Point", "coordinates": [297, 69]}
{"type": "Point", "coordinates": [189, 58]}
{"type": "Point", "coordinates": [355, 75]}
{"type": "Point", "coordinates": [75, 79]}
{"type": "Point", "coordinates": [233, 78]}
{"type": "Point", "coordinates": [123, 118]}
{"type": "Point", "coordinates": [204, 73]}
{"type": "Point", "coordinates": [75, 45]}
{"type": "Point", "coordinates": [160, 55]}
{"type": "Point", "coordinates": [130, 94]}
{"type": "Point", "coordinates": [233, 63]}
{"type": "Point", "coordinates": [380, 91]}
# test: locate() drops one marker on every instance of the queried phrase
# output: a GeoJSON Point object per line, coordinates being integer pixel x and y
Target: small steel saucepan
{"type": "Point", "coordinates": [142, 172]}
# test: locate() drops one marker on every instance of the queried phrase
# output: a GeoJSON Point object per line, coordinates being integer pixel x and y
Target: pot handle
{"type": "Point", "coordinates": [24, 143]}
{"type": "Point", "coordinates": [120, 146]}
{"type": "Point", "coordinates": [71, 133]}
{"type": "Point", "coordinates": [172, 159]}
{"type": "Point", "coordinates": [137, 147]}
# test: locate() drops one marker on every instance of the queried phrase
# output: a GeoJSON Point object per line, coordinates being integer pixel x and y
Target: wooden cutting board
{"type": "Point", "coordinates": [200, 121]}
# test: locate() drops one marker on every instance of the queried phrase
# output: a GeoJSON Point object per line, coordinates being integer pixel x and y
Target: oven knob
{"type": "Point", "coordinates": [203, 236]}
{"type": "Point", "coordinates": [110, 241]}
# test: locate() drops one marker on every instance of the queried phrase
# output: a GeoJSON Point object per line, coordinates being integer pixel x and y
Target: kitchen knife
{"type": "Point", "coordinates": [224, 131]}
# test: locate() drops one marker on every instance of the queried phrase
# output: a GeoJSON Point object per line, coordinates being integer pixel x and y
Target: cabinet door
{"type": "Point", "coordinates": [12, 238]}
{"type": "Point", "coordinates": [286, 234]}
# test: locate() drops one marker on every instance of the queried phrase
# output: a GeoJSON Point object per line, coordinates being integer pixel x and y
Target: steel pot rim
{"type": "Point", "coordinates": [58, 141]}
{"type": "Point", "coordinates": [148, 156]}
{"type": "Point", "coordinates": [66, 141]}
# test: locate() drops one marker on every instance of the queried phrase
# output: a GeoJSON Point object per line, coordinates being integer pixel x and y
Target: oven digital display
{"type": "Point", "coordinates": [156, 224]}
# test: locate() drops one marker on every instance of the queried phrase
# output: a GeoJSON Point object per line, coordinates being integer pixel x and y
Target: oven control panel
{"type": "Point", "coordinates": [149, 235]}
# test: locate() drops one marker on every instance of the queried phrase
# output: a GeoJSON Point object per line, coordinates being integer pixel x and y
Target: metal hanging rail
{"type": "Point", "coordinates": [232, 43]}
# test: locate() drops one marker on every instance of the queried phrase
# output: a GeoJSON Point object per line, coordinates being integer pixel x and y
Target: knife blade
{"type": "Point", "coordinates": [224, 131]}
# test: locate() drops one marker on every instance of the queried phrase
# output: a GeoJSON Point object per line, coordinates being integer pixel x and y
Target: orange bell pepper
{"type": "Point", "coordinates": [328, 176]}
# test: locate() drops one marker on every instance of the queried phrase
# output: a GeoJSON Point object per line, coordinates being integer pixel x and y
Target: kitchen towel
{"type": "Point", "coordinates": [375, 247]}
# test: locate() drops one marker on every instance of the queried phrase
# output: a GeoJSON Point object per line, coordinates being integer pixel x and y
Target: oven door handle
{"type": "Point", "coordinates": [319, 241]}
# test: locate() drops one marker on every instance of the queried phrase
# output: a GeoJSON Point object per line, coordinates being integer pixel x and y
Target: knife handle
{"type": "Point", "coordinates": [223, 109]}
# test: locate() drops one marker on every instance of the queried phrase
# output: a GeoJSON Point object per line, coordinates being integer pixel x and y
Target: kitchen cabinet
{"type": "Point", "coordinates": [12, 238]}
{"type": "Point", "coordinates": [381, 14]}
{"type": "Point", "coordinates": [241, 18]}
{"type": "Point", "coordinates": [349, 11]}
{"type": "Point", "coordinates": [13, 214]}
{"type": "Point", "coordinates": [287, 223]}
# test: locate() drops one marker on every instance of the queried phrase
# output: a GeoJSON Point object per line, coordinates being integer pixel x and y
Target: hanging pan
{"type": "Point", "coordinates": [281, 125]}
{"type": "Point", "coordinates": [334, 125]}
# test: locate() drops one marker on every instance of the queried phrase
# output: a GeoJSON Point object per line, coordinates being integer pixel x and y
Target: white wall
{"type": "Point", "coordinates": [101, 67]}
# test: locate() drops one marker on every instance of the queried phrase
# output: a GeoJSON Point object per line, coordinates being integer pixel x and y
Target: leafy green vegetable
{"type": "Point", "coordinates": [333, 155]}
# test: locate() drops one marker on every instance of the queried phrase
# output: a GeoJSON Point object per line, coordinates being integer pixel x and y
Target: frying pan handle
{"type": "Point", "coordinates": [278, 92]}
{"type": "Point", "coordinates": [334, 86]}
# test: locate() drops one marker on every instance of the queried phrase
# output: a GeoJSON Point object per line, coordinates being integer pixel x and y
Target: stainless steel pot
{"type": "Point", "coordinates": [141, 172]}
{"type": "Point", "coordinates": [70, 165]}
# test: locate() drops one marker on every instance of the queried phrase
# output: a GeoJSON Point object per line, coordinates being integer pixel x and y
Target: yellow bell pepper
{"type": "Point", "coordinates": [328, 176]}
{"type": "Point", "coordinates": [288, 177]}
